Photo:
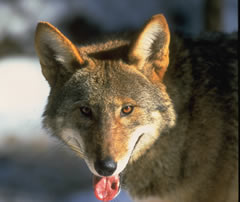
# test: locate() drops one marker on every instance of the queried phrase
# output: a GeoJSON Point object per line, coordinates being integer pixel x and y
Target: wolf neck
{"type": "Point", "coordinates": [153, 166]}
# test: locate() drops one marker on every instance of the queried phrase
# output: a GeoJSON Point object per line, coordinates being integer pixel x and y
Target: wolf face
{"type": "Point", "coordinates": [115, 103]}
{"type": "Point", "coordinates": [107, 100]}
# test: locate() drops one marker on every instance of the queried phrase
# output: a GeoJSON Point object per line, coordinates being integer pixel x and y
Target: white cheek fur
{"type": "Point", "coordinates": [148, 131]}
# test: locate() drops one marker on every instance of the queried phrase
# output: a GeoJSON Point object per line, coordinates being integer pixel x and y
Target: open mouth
{"type": "Point", "coordinates": [106, 188]}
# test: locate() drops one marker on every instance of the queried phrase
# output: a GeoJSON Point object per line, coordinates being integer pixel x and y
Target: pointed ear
{"type": "Point", "coordinates": [58, 56]}
{"type": "Point", "coordinates": [152, 47]}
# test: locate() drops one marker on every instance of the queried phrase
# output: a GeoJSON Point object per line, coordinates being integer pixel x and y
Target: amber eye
{"type": "Point", "coordinates": [127, 110]}
{"type": "Point", "coordinates": [86, 111]}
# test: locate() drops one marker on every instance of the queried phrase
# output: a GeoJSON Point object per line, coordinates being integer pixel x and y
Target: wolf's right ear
{"type": "Point", "coordinates": [58, 56]}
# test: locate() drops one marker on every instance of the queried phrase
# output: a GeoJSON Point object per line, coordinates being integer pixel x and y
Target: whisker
{"type": "Point", "coordinates": [77, 150]}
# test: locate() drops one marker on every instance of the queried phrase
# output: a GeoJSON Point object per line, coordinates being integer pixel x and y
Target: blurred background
{"type": "Point", "coordinates": [35, 167]}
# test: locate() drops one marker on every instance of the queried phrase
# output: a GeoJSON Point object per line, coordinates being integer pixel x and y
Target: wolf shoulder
{"type": "Point", "coordinates": [215, 54]}
{"type": "Point", "coordinates": [214, 62]}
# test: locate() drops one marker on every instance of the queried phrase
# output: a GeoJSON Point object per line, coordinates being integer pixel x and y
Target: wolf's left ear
{"type": "Point", "coordinates": [152, 47]}
{"type": "Point", "coordinates": [59, 58]}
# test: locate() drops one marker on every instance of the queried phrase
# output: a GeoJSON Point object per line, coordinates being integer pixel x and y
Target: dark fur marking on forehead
{"type": "Point", "coordinates": [119, 53]}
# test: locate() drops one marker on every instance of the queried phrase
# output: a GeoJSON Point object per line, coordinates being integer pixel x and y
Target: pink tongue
{"type": "Point", "coordinates": [106, 188]}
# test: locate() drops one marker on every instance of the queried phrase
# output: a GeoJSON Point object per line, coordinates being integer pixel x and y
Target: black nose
{"type": "Point", "coordinates": [105, 167]}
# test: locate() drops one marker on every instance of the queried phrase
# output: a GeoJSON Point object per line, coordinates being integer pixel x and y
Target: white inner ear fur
{"type": "Point", "coordinates": [147, 38]}
{"type": "Point", "coordinates": [59, 46]}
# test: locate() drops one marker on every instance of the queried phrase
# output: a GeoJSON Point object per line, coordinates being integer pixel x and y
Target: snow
{"type": "Point", "coordinates": [23, 92]}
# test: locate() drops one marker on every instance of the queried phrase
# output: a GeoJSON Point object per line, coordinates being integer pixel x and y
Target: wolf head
{"type": "Point", "coordinates": [108, 100]}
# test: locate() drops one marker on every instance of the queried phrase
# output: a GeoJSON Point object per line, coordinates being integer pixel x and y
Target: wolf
{"type": "Point", "coordinates": [158, 116]}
